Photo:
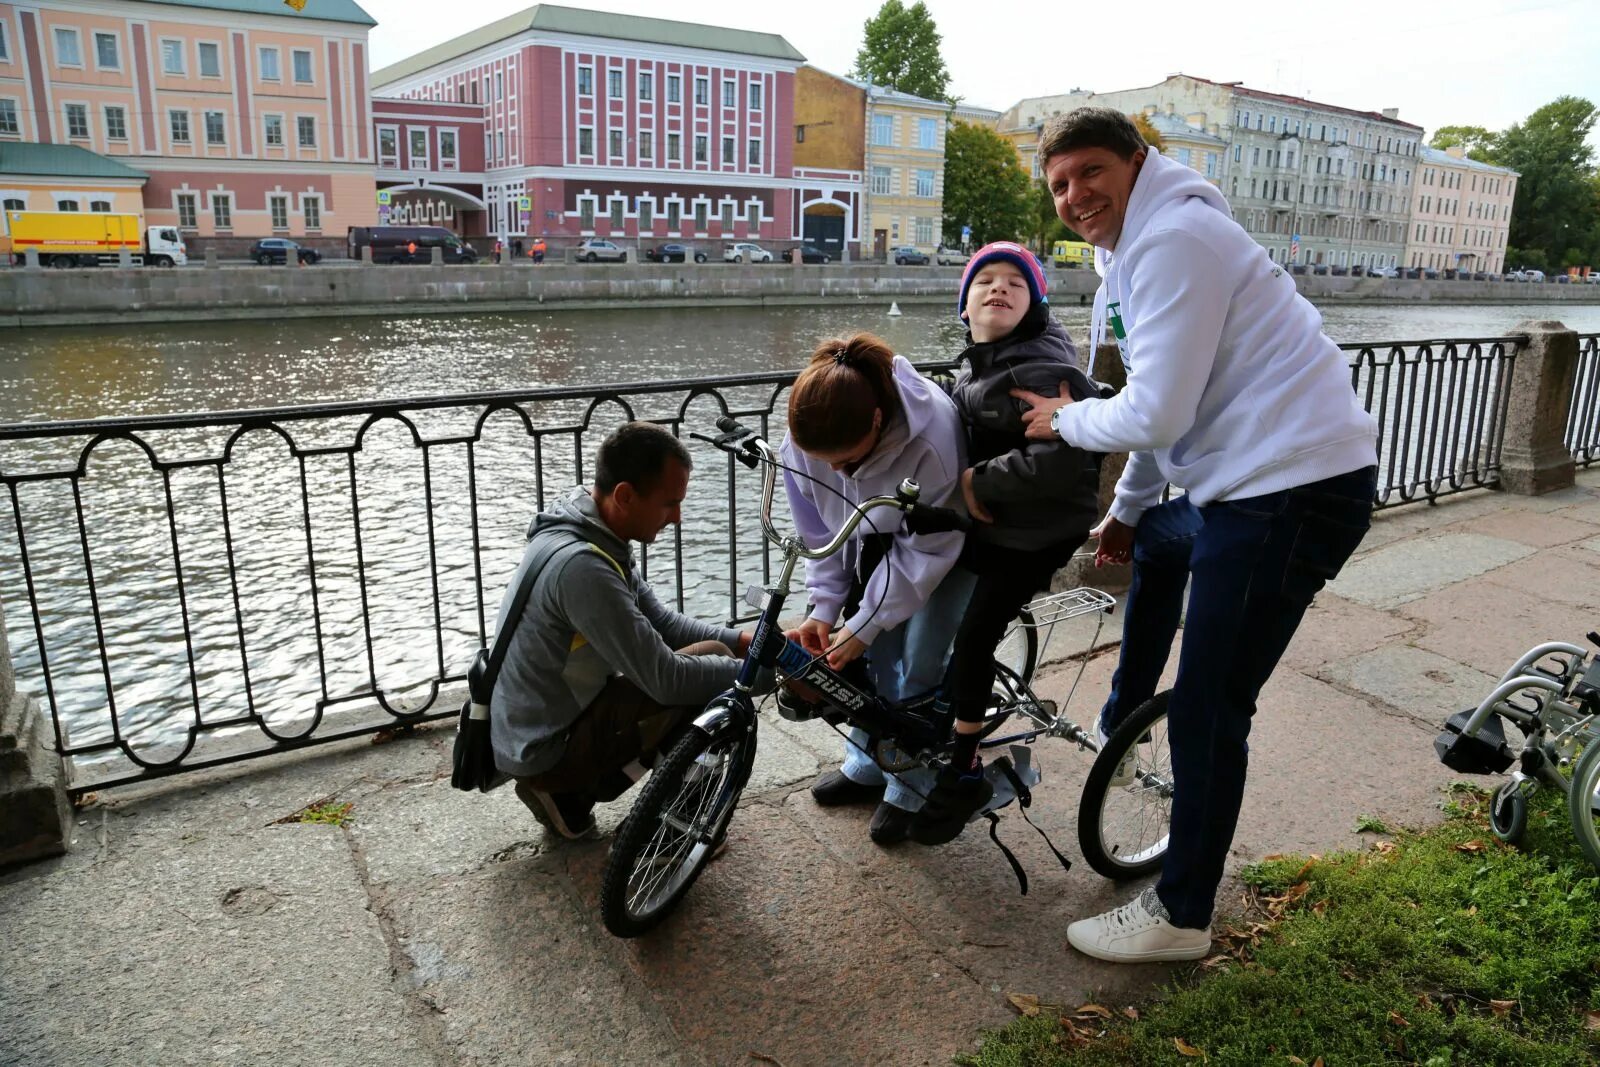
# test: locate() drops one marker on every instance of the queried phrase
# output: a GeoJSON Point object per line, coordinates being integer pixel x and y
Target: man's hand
{"type": "Point", "coordinates": [745, 638]}
{"type": "Point", "coordinates": [975, 507]}
{"type": "Point", "coordinates": [846, 647]}
{"type": "Point", "coordinates": [1036, 419]}
{"type": "Point", "coordinates": [812, 635]}
{"type": "Point", "coordinates": [1116, 542]}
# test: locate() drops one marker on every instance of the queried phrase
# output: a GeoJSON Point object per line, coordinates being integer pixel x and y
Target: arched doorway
{"type": "Point", "coordinates": [826, 225]}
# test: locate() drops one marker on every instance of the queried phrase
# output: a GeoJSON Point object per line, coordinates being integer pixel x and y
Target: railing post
{"type": "Point", "coordinates": [1534, 458]}
{"type": "Point", "coordinates": [211, 257]}
{"type": "Point", "coordinates": [437, 258]}
{"type": "Point", "coordinates": [1105, 366]}
{"type": "Point", "coordinates": [366, 255]}
{"type": "Point", "coordinates": [35, 815]}
{"type": "Point", "coordinates": [30, 259]}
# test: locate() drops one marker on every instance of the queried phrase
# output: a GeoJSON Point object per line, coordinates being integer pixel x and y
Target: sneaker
{"type": "Point", "coordinates": [1123, 775]}
{"type": "Point", "coordinates": [833, 789]}
{"type": "Point", "coordinates": [568, 815]}
{"type": "Point", "coordinates": [890, 825]}
{"type": "Point", "coordinates": [1138, 932]}
{"type": "Point", "coordinates": [953, 801]}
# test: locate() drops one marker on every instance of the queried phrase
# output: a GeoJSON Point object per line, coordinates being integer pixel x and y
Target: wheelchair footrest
{"type": "Point", "coordinates": [1485, 753]}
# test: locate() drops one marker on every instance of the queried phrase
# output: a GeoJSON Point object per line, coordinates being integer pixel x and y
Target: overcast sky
{"type": "Point", "coordinates": [1479, 62]}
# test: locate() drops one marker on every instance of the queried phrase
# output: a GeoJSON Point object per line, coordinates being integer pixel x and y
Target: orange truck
{"type": "Point", "coordinates": [90, 238]}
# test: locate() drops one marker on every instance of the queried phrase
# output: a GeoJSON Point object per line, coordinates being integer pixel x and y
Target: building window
{"type": "Point", "coordinates": [499, 85]}
{"type": "Point", "coordinates": [585, 141]}
{"type": "Point", "coordinates": [447, 149]}
{"type": "Point", "coordinates": [585, 81]}
{"type": "Point", "coordinates": [674, 215]}
{"type": "Point", "coordinates": [179, 121]}
{"type": "Point", "coordinates": [106, 55]}
{"type": "Point", "coordinates": [116, 123]}
{"type": "Point", "coordinates": [280, 211]}
{"type": "Point", "coordinates": [1211, 164]}
{"type": "Point", "coordinates": [647, 85]}
{"type": "Point", "coordinates": [8, 117]}
{"type": "Point", "coordinates": [674, 88]}
{"type": "Point", "coordinates": [210, 59]}
{"type": "Point", "coordinates": [614, 84]}
{"type": "Point", "coordinates": [618, 213]}
{"type": "Point", "coordinates": [701, 148]}
{"type": "Point", "coordinates": [311, 207]}
{"type": "Point", "coordinates": [727, 150]}
{"type": "Point", "coordinates": [418, 147]}
{"type": "Point", "coordinates": [186, 211]}
{"type": "Point", "coordinates": [1184, 156]}
{"type": "Point", "coordinates": [927, 134]}
{"type": "Point", "coordinates": [77, 120]}
{"type": "Point", "coordinates": [302, 66]}
{"type": "Point", "coordinates": [5, 51]}
{"type": "Point", "coordinates": [586, 215]}
{"type": "Point", "coordinates": [753, 155]}
{"type": "Point", "coordinates": [755, 96]}
{"type": "Point", "coordinates": [171, 57]}
{"type": "Point", "coordinates": [881, 177]}
{"type": "Point", "coordinates": [646, 215]}
{"type": "Point", "coordinates": [66, 205]}
{"type": "Point", "coordinates": [216, 132]}
{"type": "Point", "coordinates": [924, 230]}
{"type": "Point", "coordinates": [68, 50]}
{"type": "Point", "coordinates": [702, 90]}
{"type": "Point", "coordinates": [500, 145]}
{"type": "Point", "coordinates": [614, 144]}
{"type": "Point", "coordinates": [924, 184]}
{"type": "Point", "coordinates": [102, 206]}
{"type": "Point", "coordinates": [883, 129]}
{"type": "Point", "coordinates": [647, 144]}
{"type": "Point", "coordinates": [306, 127]}
{"type": "Point", "coordinates": [730, 93]}
{"type": "Point", "coordinates": [222, 211]}
{"type": "Point", "coordinates": [702, 211]}
{"type": "Point", "coordinates": [275, 136]}
{"type": "Point", "coordinates": [267, 59]}
{"type": "Point", "coordinates": [388, 143]}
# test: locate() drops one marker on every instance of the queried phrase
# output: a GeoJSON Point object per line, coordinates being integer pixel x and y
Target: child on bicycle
{"type": "Point", "coordinates": [1032, 503]}
{"type": "Point", "coordinates": [861, 419]}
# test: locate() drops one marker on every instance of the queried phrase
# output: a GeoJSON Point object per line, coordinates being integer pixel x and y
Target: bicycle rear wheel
{"type": "Point", "coordinates": [673, 830]}
{"type": "Point", "coordinates": [1126, 811]}
{"type": "Point", "coordinates": [1016, 657]}
{"type": "Point", "coordinates": [1583, 802]}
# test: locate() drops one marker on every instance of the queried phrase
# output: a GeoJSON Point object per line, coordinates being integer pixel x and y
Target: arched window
{"type": "Point", "coordinates": [13, 204]}
{"type": "Point", "coordinates": [100, 205]}
{"type": "Point", "coordinates": [66, 205]}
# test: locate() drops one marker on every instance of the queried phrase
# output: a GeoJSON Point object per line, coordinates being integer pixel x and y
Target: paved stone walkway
{"type": "Point", "coordinates": [189, 926]}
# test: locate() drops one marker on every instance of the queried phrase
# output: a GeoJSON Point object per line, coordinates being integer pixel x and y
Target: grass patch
{"type": "Point", "coordinates": [329, 814]}
{"type": "Point", "coordinates": [1443, 949]}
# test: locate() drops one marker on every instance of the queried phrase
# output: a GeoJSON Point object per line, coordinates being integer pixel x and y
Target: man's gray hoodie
{"type": "Point", "coordinates": [590, 616]}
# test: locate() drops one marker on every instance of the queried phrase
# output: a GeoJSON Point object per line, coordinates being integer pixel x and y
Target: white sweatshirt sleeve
{"type": "Point", "coordinates": [1139, 488]}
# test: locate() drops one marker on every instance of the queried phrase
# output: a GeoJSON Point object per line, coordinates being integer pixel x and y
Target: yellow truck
{"type": "Point", "coordinates": [1072, 254]}
{"type": "Point", "coordinates": [90, 238]}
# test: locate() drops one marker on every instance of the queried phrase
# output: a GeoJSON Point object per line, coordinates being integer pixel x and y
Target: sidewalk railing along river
{"type": "Point", "coordinates": [191, 590]}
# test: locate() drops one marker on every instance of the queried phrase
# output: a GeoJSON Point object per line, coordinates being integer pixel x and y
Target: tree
{"type": "Point", "coordinates": [1557, 211]}
{"type": "Point", "coordinates": [900, 51]}
{"type": "Point", "coordinates": [985, 186]}
{"type": "Point", "coordinates": [1479, 142]}
{"type": "Point", "coordinates": [1151, 135]}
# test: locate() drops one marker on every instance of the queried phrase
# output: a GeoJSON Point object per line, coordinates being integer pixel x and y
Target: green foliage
{"type": "Point", "coordinates": [900, 51]}
{"type": "Point", "coordinates": [1557, 207]}
{"type": "Point", "coordinates": [329, 814]}
{"type": "Point", "coordinates": [1151, 136]}
{"type": "Point", "coordinates": [1479, 142]}
{"type": "Point", "coordinates": [1445, 947]}
{"type": "Point", "coordinates": [985, 186]}
{"type": "Point", "coordinates": [1370, 824]}
{"type": "Point", "coordinates": [1046, 226]}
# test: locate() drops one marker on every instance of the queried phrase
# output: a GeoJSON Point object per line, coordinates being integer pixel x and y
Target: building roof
{"type": "Point", "coordinates": [552, 19]}
{"type": "Point", "coordinates": [61, 161]}
{"type": "Point", "coordinates": [1440, 158]}
{"type": "Point", "coordinates": [1172, 126]}
{"type": "Point", "coordinates": [326, 10]}
{"type": "Point", "coordinates": [1241, 89]}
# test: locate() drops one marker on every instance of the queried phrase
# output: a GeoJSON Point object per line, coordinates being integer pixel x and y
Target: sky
{"type": "Point", "coordinates": [1468, 62]}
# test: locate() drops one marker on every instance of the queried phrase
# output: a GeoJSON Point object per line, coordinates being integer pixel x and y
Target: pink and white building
{"type": "Point", "coordinates": [635, 129]}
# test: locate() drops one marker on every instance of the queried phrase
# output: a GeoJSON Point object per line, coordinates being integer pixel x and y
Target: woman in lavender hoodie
{"type": "Point", "coordinates": [861, 419]}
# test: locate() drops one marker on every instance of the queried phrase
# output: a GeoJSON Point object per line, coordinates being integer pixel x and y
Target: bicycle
{"type": "Point", "coordinates": [1551, 695]}
{"type": "Point", "coordinates": [682, 813]}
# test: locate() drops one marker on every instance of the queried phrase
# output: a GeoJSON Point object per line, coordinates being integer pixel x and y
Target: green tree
{"type": "Point", "coordinates": [900, 51]}
{"type": "Point", "coordinates": [1557, 211]}
{"type": "Point", "coordinates": [1479, 142]}
{"type": "Point", "coordinates": [985, 186]}
{"type": "Point", "coordinates": [1151, 135]}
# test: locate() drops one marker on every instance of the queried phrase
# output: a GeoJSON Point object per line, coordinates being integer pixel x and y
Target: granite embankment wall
{"type": "Point", "coordinates": [86, 296]}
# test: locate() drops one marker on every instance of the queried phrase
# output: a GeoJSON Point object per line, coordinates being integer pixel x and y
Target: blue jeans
{"type": "Point", "coordinates": [1255, 564]}
{"type": "Point", "coordinates": [903, 663]}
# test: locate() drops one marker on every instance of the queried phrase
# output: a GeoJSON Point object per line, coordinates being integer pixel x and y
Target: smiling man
{"type": "Point", "coordinates": [1235, 396]}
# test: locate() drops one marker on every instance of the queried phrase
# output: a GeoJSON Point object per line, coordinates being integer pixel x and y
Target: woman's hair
{"type": "Point", "coordinates": [831, 404]}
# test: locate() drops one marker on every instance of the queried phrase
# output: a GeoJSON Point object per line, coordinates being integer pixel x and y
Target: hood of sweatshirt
{"type": "Point", "coordinates": [579, 513]}
{"type": "Point", "coordinates": [921, 403]}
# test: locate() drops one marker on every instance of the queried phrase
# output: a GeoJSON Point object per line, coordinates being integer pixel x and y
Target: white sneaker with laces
{"type": "Point", "coordinates": [1123, 775]}
{"type": "Point", "coordinates": [1138, 932]}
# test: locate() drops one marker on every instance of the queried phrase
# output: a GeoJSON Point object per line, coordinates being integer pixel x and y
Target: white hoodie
{"type": "Point", "coordinates": [925, 443]}
{"type": "Point", "coordinates": [1233, 389]}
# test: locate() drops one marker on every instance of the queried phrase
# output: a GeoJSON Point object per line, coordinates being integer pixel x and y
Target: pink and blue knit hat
{"type": "Point", "coordinates": [1013, 253]}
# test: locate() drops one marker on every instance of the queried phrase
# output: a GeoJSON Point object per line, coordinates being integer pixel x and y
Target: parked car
{"type": "Point", "coordinates": [745, 252]}
{"type": "Point", "coordinates": [1338, 270]}
{"type": "Point", "coordinates": [408, 244]}
{"type": "Point", "coordinates": [594, 250]}
{"type": "Point", "coordinates": [674, 252]}
{"type": "Point", "coordinates": [1533, 275]}
{"type": "Point", "coordinates": [279, 250]}
{"type": "Point", "coordinates": [907, 255]}
{"type": "Point", "coordinates": [1592, 278]}
{"type": "Point", "coordinates": [1562, 279]}
{"type": "Point", "coordinates": [1430, 274]}
{"type": "Point", "coordinates": [1298, 268]}
{"type": "Point", "coordinates": [951, 257]}
{"type": "Point", "coordinates": [1319, 268]}
{"type": "Point", "coordinates": [1411, 272]}
{"type": "Point", "coordinates": [809, 253]}
{"type": "Point", "coordinates": [1382, 272]}
{"type": "Point", "coordinates": [1480, 276]}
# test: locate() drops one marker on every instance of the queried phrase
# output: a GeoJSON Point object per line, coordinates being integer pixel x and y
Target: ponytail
{"type": "Point", "coordinates": [832, 403]}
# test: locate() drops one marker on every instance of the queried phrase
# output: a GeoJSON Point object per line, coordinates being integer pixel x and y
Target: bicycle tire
{"type": "Point", "coordinates": [1101, 811]}
{"type": "Point", "coordinates": [1581, 802]}
{"type": "Point", "coordinates": [1015, 660]}
{"type": "Point", "coordinates": [658, 853]}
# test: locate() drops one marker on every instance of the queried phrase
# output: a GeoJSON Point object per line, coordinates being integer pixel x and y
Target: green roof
{"type": "Point", "coordinates": [552, 19]}
{"type": "Point", "coordinates": [61, 161]}
{"type": "Point", "coordinates": [327, 10]}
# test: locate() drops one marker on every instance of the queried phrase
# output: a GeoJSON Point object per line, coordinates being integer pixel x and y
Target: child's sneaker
{"type": "Point", "coordinates": [1123, 775]}
{"type": "Point", "coordinates": [1138, 932]}
{"type": "Point", "coordinates": [953, 801]}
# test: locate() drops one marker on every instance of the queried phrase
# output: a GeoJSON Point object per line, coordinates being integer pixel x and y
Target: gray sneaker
{"type": "Point", "coordinates": [1123, 775]}
{"type": "Point", "coordinates": [567, 815]}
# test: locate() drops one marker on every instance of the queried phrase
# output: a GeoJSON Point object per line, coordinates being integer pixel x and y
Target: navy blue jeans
{"type": "Point", "coordinates": [1254, 564]}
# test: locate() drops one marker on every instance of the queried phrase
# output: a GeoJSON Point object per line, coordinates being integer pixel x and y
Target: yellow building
{"type": "Point", "coordinates": [904, 171]}
{"type": "Point", "coordinates": [829, 152]}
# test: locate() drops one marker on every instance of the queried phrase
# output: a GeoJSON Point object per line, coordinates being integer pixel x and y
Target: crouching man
{"type": "Point", "coordinates": [600, 675]}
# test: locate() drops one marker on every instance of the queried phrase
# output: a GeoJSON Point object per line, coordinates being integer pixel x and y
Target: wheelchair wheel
{"type": "Point", "coordinates": [675, 826]}
{"type": "Point", "coordinates": [1126, 812]}
{"type": "Point", "coordinates": [1583, 803]}
{"type": "Point", "coordinates": [1508, 813]}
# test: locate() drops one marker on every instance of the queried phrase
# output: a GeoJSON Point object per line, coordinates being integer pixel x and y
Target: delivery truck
{"type": "Point", "coordinates": [91, 238]}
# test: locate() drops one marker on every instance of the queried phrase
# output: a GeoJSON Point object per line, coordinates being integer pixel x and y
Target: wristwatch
{"type": "Point", "coordinates": [1055, 420]}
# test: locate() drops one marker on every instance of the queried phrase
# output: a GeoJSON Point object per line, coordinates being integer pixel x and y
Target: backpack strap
{"type": "Point", "coordinates": [1024, 801]}
{"type": "Point", "coordinates": [486, 666]}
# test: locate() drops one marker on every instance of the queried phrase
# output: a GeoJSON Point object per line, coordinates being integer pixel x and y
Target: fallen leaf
{"type": "Point", "coordinates": [1470, 846]}
{"type": "Point", "coordinates": [1317, 1062]}
{"type": "Point", "coordinates": [1502, 1008]}
{"type": "Point", "coordinates": [1221, 959]}
{"type": "Point", "coordinates": [1273, 856]}
{"type": "Point", "coordinates": [1310, 863]}
{"type": "Point", "coordinates": [1424, 1002]}
{"type": "Point", "coordinates": [1133, 1013]}
{"type": "Point", "coordinates": [1297, 1059]}
{"type": "Point", "coordinates": [1396, 1019]}
{"type": "Point", "coordinates": [1319, 907]}
{"type": "Point", "coordinates": [1591, 1020]}
{"type": "Point", "coordinates": [1383, 847]}
{"type": "Point", "coordinates": [1026, 1003]}
{"type": "Point", "coordinates": [1094, 1009]}
{"type": "Point", "coordinates": [1186, 1049]}
{"type": "Point", "coordinates": [1472, 910]}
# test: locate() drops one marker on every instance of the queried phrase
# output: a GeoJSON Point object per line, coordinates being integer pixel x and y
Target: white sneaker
{"type": "Point", "coordinates": [1123, 775]}
{"type": "Point", "coordinates": [1138, 932]}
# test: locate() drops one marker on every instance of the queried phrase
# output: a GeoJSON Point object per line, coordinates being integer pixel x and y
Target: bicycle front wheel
{"type": "Point", "coordinates": [1583, 802]}
{"type": "Point", "coordinates": [673, 831]}
{"type": "Point", "coordinates": [1125, 815]}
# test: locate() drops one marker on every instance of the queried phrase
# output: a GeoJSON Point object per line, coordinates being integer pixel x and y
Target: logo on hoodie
{"type": "Point", "coordinates": [1118, 331]}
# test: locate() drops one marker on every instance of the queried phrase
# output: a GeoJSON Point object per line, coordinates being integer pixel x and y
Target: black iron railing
{"type": "Point", "coordinates": [1583, 423]}
{"type": "Point", "coordinates": [198, 589]}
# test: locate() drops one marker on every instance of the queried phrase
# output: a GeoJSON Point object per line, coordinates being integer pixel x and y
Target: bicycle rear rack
{"type": "Point", "coordinates": [1068, 604]}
